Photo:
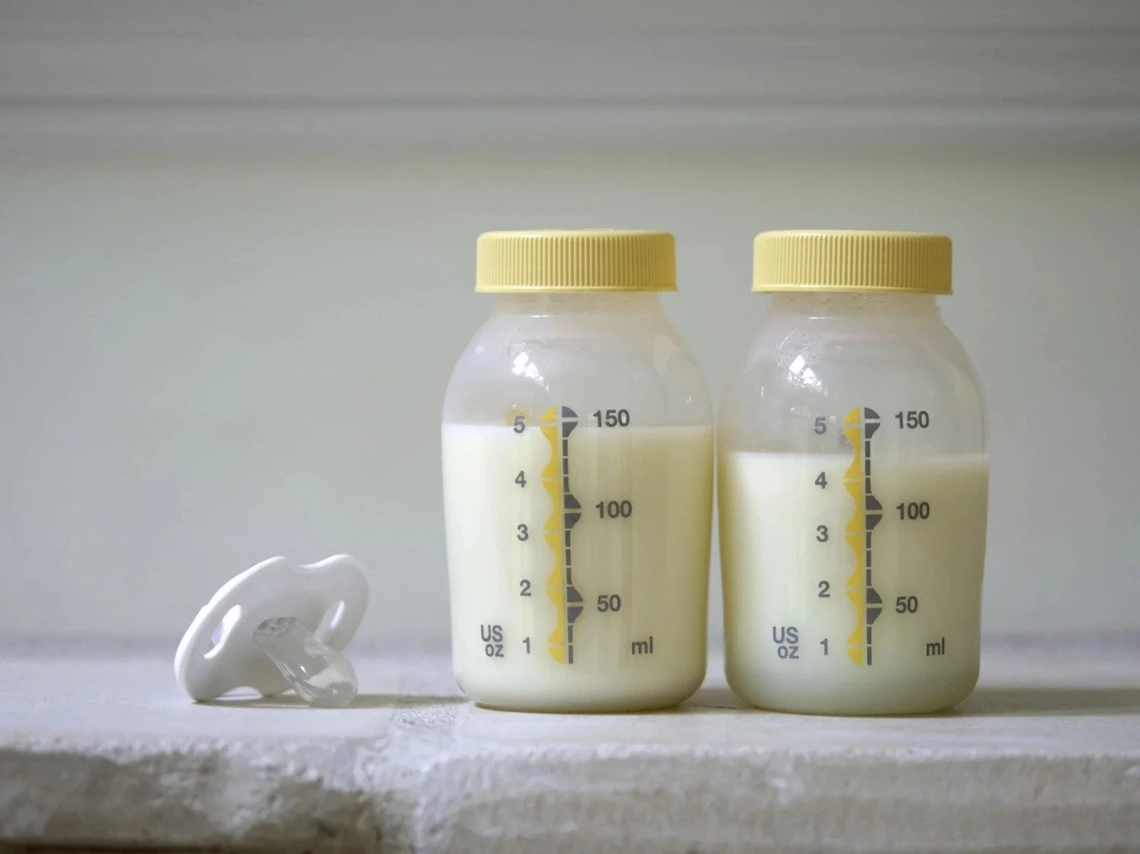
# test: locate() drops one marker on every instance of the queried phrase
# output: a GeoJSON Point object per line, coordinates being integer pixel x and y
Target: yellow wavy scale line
{"type": "Point", "coordinates": [552, 533]}
{"type": "Point", "coordinates": [855, 532]}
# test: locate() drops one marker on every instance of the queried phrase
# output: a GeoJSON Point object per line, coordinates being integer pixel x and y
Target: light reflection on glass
{"type": "Point", "coordinates": [806, 376]}
{"type": "Point", "coordinates": [524, 367]}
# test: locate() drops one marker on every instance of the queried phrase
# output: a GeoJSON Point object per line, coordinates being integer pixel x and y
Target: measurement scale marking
{"type": "Point", "coordinates": [565, 513]}
{"type": "Point", "coordinates": [860, 424]}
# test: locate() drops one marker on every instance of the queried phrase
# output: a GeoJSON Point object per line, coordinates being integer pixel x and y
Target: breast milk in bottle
{"type": "Point", "coordinates": [853, 483]}
{"type": "Point", "coordinates": [578, 472]}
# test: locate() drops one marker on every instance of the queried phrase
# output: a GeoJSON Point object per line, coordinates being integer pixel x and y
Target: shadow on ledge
{"type": "Point", "coordinates": [361, 701]}
{"type": "Point", "coordinates": [1052, 701]}
{"type": "Point", "coordinates": [1030, 700]}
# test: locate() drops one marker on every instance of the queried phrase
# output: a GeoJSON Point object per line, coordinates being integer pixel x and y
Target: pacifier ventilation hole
{"type": "Point", "coordinates": [223, 629]}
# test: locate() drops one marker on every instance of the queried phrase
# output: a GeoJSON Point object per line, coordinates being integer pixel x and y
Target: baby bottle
{"type": "Point", "coordinates": [578, 471]}
{"type": "Point", "coordinates": [853, 483]}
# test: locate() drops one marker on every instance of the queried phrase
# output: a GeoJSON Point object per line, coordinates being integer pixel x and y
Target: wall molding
{"type": "Point", "coordinates": [658, 74]}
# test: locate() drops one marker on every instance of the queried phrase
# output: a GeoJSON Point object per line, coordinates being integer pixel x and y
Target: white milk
{"type": "Point", "coordinates": [796, 597]}
{"type": "Point", "coordinates": [623, 625]}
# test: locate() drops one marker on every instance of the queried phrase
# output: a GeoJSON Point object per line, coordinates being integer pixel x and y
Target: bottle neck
{"type": "Point", "coordinates": [831, 304]}
{"type": "Point", "coordinates": [540, 303]}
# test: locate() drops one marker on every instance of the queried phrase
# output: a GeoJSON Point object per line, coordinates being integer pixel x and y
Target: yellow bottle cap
{"type": "Point", "coordinates": [601, 260]}
{"type": "Point", "coordinates": [880, 261]}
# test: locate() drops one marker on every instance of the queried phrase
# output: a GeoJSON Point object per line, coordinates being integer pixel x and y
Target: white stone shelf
{"type": "Point", "coordinates": [99, 748]}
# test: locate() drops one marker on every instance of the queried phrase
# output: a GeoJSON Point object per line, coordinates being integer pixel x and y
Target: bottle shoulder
{"type": "Point", "coordinates": [803, 351]}
{"type": "Point", "coordinates": [800, 365]}
{"type": "Point", "coordinates": [595, 360]}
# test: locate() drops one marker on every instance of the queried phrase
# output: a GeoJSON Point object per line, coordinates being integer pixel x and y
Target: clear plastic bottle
{"type": "Point", "coordinates": [578, 471]}
{"type": "Point", "coordinates": [853, 483]}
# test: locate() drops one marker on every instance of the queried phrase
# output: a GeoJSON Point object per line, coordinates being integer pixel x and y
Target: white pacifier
{"type": "Point", "coordinates": [276, 626]}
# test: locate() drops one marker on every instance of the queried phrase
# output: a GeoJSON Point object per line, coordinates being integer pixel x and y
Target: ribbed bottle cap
{"type": "Point", "coordinates": [852, 261]}
{"type": "Point", "coordinates": [601, 260]}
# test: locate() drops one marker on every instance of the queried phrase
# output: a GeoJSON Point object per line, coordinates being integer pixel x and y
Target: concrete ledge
{"type": "Point", "coordinates": [102, 750]}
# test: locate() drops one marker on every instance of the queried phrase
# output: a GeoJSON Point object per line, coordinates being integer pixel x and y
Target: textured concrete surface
{"type": "Point", "coordinates": [99, 748]}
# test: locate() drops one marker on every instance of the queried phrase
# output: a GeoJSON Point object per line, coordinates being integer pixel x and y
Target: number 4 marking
{"type": "Point", "coordinates": [821, 481]}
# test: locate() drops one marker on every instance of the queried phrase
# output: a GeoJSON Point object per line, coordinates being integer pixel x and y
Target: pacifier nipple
{"type": "Point", "coordinates": [319, 674]}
